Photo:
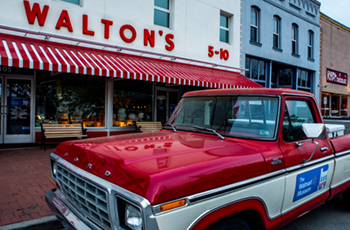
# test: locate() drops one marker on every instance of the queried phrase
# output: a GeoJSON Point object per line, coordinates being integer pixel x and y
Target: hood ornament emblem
{"type": "Point", "coordinates": [89, 166]}
{"type": "Point", "coordinates": [76, 159]}
{"type": "Point", "coordinates": [108, 173]}
{"type": "Point", "coordinates": [66, 154]}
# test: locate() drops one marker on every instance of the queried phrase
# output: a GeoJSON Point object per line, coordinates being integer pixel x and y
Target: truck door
{"type": "Point", "coordinates": [308, 178]}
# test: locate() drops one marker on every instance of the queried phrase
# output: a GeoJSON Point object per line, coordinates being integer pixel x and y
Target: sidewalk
{"type": "Point", "coordinates": [25, 177]}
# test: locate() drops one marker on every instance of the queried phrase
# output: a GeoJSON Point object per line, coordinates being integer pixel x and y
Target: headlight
{"type": "Point", "coordinates": [54, 169]}
{"type": "Point", "coordinates": [133, 217]}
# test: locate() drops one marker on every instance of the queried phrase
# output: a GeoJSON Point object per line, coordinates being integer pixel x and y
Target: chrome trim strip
{"type": "Point", "coordinates": [227, 188]}
{"type": "Point", "coordinates": [342, 153]}
{"type": "Point", "coordinates": [227, 204]}
{"type": "Point", "coordinates": [113, 191]}
{"type": "Point", "coordinates": [309, 163]}
{"type": "Point", "coordinates": [192, 199]}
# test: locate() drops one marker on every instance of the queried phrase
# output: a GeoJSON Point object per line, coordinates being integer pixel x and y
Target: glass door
{"type": "Point", "coordinates": [17, 111]}
{"type": "Point", "coordinates": [166, 101]}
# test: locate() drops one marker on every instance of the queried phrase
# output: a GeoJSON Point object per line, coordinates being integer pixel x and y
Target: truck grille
{"type": "Point", "coordinates": [85, 196]}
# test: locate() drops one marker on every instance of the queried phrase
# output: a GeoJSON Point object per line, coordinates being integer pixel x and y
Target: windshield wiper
{"type": "Point", "coordinates": [210, 130]}
{"type": "Point", "coordinates": [172, 126]}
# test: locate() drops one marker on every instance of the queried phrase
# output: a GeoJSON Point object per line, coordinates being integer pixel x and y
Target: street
{"type": "Point", "coordinates": [332, 215]}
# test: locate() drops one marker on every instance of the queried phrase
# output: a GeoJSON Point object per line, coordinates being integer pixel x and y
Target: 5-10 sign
{"type": "Point", "coordinates": [224, 54]}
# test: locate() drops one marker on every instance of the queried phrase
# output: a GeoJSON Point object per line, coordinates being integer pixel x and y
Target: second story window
{"type": "Point", "coordinates": [224, 28]}
{"type": "Point", "coordinates": [162, 13]}
{"type": "Point", "coordinates": [276, 32]}
{"type": "Point", "coordinates": [73, 1]}
{"type": "Point", "coordinates": [294, 39]}
{"type": "Point", "coordinates": [310, 48]}
{"type": "Point", "coordinates": [254, 25]}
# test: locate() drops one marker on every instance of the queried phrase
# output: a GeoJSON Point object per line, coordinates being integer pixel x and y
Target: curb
{"type": "Point", "coordinates": [48, 222]}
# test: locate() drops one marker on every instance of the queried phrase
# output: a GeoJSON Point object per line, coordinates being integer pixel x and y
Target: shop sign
{"type": "Point", "coordinates": [337, 77]}
{"type": "Point", "coordinates": [14, 70]}
{"type": "Point", "coordinates": [127, 32]}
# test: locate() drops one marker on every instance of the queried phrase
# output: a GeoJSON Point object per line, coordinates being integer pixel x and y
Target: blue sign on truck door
{"type": "Point", "coordinates": [310, 182]}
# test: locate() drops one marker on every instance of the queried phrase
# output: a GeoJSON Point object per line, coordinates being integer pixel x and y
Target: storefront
{"type": "Point", "coordinates": [334, 82]}
{"type": "Point", "coordinates": [57, 78]}
{"type": "Point", "coordinates": [335, 97]}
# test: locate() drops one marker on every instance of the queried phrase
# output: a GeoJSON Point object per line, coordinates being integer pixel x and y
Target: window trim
{"type": "Point", "coordinates": [79, 4]}
{"type": "Point", "coordinates": [277, 32]}
{"type": "Point", "coordinates": [225, 28]}
{"type": "Point", "coordinates": [165, 11]}
{"type": "Point", "coordinates": [310, 45]}
{"type": "Point", "coordinates": [295, 39]}
{"type": "Point", "coordinates": [256, 11]}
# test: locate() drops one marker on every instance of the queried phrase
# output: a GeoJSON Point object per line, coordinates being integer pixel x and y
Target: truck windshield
{"type": "Point", "coordinates": [238, 116]}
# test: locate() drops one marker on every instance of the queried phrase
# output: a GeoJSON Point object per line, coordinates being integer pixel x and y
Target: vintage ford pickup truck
{"type": "Point", "coordinates": [227, 159]}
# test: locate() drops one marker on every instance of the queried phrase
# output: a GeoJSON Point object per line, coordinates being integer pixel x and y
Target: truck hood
{"type": "Point", "coordinates": [164, 165]}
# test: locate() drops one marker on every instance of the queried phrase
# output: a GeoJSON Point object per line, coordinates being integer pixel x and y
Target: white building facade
{"type": "Point", "coordinates": [108, 63]}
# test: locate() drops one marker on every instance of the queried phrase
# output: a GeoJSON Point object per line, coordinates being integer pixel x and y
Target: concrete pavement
{"type": "Point", "coordinates": [25, 177]}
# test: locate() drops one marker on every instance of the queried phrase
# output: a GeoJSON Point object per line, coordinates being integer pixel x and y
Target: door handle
{"type": "Point", "coordinates": [324, 149]}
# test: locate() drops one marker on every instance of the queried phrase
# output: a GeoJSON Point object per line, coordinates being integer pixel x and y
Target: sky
{"type": "Point", "coordinates": [337, 10]}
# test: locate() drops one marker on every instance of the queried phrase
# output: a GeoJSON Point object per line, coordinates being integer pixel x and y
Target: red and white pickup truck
{"type": "Point", "coordinates": [227, 159]}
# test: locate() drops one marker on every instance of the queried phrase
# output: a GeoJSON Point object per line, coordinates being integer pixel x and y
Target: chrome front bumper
{"type": "Point", "coordinates": [69, 217]}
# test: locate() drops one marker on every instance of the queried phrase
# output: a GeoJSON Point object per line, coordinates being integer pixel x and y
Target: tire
{"type": "Point", "coordinates": [230, 224]}
{"type": "Point", "coordinates": [346, 198]}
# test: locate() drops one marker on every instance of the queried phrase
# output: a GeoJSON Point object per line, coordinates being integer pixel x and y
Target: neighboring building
{"type": "Point", "coordinates": [280, 43]}
{"type": "Point", "coordinates": [108, 63]}
{"type": "Point", "coordinates": [335, 67]}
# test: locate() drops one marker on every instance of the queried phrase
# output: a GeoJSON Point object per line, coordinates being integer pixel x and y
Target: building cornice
{"type": "Point", "coordinates": [326, 17]}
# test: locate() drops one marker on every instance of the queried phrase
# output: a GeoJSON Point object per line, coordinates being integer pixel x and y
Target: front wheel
{"type": "Point", "coordinates": [346, 198]}
{"type": "Point", "coordinates": [230, 224]}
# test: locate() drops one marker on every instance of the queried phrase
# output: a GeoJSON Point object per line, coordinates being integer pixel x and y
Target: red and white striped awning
{"type": "Point", "coordinates": [30, 53]}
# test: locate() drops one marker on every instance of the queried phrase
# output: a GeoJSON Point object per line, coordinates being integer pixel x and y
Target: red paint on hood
{"type": "Point", "coordinates": [163, 166]}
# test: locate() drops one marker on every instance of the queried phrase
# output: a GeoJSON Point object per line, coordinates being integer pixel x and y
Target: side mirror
{"type": "Point", "coordinates": [314, 131]}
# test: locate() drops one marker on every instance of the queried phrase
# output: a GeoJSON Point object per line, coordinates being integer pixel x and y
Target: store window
{"type": "Point", "coordinates": [162, 13]}
{"type": "Point", "coordinates": [304, 80]}
{"type": "Point", "coordinates": [295, 31]}
{"type": "Point", "coordinates": [344, 105]}
{"type": "Point", "coordinates": [276, 32]}
{"type": "Point", "coordinates": [224, 28]}
{"type": "Point", "coordinates": [285, 77]}
{"type": "Point", "coordinates": [254, 24]}
{"type": "Point", "coordinates": [257, 70]}
{"type": "Point", "coordinates": [68, 99]}
{"type": "Point", "coordinates": [73, 1]}
{"type": "Point", "coordinates": [325, 104]}
{"type": "Point", "coordinates": [310, 46]}
{"type": "Point", "coordinates": [132, 101]}
{"type": "Point", "coordinates": [334, 105]}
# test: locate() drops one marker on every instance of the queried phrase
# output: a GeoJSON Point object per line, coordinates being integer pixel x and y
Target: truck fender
{"type": "Point", "coordinates": [237, 208]}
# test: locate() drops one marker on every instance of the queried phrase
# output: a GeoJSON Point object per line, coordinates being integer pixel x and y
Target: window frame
{"type": "Point", "coordinates": [256, 24]}
{"type": "Point", "coordinates": [310, 46]}
{"type": "Point", "coordinates": [227, 29]}
{"type": "Point", "coordinates": [250, 72]}
{"type": "Point", "coordinates": [79, 4]}
{"type": "Point", "coordinates": [164, 10]}
{"type": "Point", "coordinates": [276, 32]}
{"type": "Point", "coordinates": [308, 80]}
{"type": "Point", "coordinates": [295, 39]}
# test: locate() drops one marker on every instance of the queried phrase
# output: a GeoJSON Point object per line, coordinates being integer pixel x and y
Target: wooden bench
{"type": "Point", "coordinates": [50, 131]}
{"type": "Point", "coordinates": [148, 126]}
